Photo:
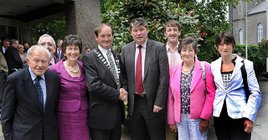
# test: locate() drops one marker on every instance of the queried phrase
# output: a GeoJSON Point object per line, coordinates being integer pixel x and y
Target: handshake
{"type": "Point", "coordinates": [123, 94]}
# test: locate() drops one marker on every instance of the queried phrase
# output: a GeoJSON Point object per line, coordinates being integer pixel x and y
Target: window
{"type": "Point", "coordinates": [241, 36]}
{"type": "Point", "coordinates": [259, 32]}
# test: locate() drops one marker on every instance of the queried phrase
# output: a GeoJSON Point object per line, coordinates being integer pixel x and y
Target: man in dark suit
{"type": "Point", "coordinates": [58, 53]}
{"type": "Point", "coordinates": [30, 100]}
{"type": "Point", "coordinates": [13, 58]}
{"type": "Point", "coordinates": [5, 46]}
{"type": "Point", "coordinates": [145, 76]}
{"type": "Point", "coordinates": [105, 95]}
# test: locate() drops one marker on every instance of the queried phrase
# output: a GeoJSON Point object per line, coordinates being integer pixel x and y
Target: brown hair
{"type": "Point", "coordinates": [173, 23]}
{"type": "Point", "coordinates": [226, 37]}
{"type": "Point", "coordinates": [188, 41]}
{"type": "Point", "coordinates": [98, 28]}
{"type": "Point", "coordinates": [71, 40]}
{"type": "Point", "coordinates": [138, 22]}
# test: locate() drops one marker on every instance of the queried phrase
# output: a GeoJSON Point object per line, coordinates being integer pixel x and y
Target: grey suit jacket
{"type": "Point", "coordinates": [22, 117]}
{"type": "Point", "coordinates": [103, 92]}
{"type": "Point", "coordinates": [156, 74]}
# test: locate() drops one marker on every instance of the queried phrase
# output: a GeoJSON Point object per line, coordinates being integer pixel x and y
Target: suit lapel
{"type": "Point", "coordinates": [101, 59]}
{"type": "Point", "coordinates": [30, 88]}
{"type": "Point", "coordinates": [197, 74]}
{"type": "Point", "coordinates": [131, 54]}
{"type": "Point", "coordinates": [148, 56]}
{"type": "Point", "coordinates": [177, 78]}
{"type": "Point", "coordinates": [218, 75]}
{"type": "Point", "coordinates": [238, 65]}
{"type": "Point", "coordinates": [49, 90]}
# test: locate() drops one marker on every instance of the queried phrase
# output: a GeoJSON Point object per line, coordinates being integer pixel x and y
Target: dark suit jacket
{"type": "Point", "coordinates": [13, 59]}
{"type": "Point", "coordinates": [22, 117]}
{"type": "Point", "coordinates": [103, 92]}
{"type": "Point", "coordinates": [57, 56]}
{"type": "Point", "coordinates": [156, 74]}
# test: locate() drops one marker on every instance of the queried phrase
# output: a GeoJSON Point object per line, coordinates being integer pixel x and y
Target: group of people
{"type": "Point", "coordinates": [160, 85]}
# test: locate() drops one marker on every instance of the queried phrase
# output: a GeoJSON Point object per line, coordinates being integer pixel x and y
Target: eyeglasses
{"type": "Point", "coordinates": [37, 61]}
{"type": "Point", "coordinates": [47, 44]}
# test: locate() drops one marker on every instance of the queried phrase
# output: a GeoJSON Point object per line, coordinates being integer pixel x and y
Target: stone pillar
{"type": "Point", "coordinates": [82, 16]}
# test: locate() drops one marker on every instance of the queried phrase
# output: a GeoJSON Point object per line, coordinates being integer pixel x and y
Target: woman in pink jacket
{"type": "Point", "coordinates": [191, 94]}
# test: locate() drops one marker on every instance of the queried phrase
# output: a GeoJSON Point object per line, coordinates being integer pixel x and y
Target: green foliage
{"type": "Point", "coordinates": [202, 20]}
{"type": "Point", "coordinates": [56, 28]}
{"type": "Point", "coordinates": [119, 14]}
{"type": "Point", "coordinates": [257, 54]}
{"type": "Point", "coordinates": [212, 16]}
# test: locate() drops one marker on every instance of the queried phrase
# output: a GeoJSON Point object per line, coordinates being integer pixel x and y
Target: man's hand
{"type": "Point", "coordinates": [157, 108]}
{"type": "Point", "coordinates": [123, 94]}
{"type": "Point", "coordinates": [248, 126]}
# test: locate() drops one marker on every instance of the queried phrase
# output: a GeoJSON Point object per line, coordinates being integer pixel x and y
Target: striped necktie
{"type": "Point", "coordinates": [39, 91]}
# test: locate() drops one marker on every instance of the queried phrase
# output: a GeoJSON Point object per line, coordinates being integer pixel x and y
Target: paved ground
{"type": "Point", "coordinates": [260, 128]}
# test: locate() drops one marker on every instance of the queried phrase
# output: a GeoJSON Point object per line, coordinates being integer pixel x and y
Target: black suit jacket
{"type": "Point", "coordinates": [57, 56]}
{"type": "Point", "coordinates": [156, 74]}
{"type": "Point", "coordinates": [13, 59]}
{"type": "Point", "coordinates": [22, 117]}
{"type": "Point", "coordinates": [103, 93]}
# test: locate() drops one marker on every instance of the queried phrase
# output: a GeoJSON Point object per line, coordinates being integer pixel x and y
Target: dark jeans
{"type": "Point", "coordinates": [230, 129]}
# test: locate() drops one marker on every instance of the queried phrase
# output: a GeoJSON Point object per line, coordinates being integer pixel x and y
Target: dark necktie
{"type": "Point", "coordinates": [139, 85]}
{"type": "Point", "coordinates": [112, 65]}
{"type": "Point", "coordinates": [39, 91]}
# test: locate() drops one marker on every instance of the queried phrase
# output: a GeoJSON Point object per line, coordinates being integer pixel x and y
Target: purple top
{"type": "Point", "coordinates": [72, 89]}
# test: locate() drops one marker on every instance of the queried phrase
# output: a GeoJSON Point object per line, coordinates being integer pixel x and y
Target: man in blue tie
{"type": "Point", "coordinates": [30, 100]}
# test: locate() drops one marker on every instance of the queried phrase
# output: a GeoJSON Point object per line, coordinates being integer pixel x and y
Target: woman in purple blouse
{"type": "Point", "coordinates": [73, 101]}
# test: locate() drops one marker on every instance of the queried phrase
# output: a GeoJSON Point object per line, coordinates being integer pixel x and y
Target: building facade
{"type": "Point", "coordinates": [249, 21]}
{"type": "Point", "coordinates": [17, 16]}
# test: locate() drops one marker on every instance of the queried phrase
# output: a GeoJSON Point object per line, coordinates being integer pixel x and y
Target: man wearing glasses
{"type": "Point", "coordinates": [30, 100]}
{"type": "Point", "coordinates": [48, 42]}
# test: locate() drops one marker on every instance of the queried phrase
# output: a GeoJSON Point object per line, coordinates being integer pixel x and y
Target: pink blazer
{"type": "Point", "coordinates": [200, 103]}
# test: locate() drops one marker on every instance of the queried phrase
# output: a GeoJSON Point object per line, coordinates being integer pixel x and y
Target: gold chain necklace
{"type": "Point", "coordinates": [73, 71]}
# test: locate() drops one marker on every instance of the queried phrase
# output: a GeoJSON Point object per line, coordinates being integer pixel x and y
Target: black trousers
{"type": "Point", "coordinates": [2, 82]}
{"type": "Point", "coordinates": [145, 124]}
{"type": "Point", "coordinates": [227, 128]}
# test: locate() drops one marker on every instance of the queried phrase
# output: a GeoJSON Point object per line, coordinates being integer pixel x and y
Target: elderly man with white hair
{"type": "Point", "coordinates": [48, 42]}
{"type": "Point", "coordinates": [30, 100]}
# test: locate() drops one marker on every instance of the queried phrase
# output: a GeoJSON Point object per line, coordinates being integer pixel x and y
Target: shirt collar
{"type": "Point", "coordinates": [172, 50]}
{"type": "Point", "coordinates": [103, 51]}
{"type": "Point", "coordinates": [143, 45]}
{"type": "Point", "coordinates": [33, 76]}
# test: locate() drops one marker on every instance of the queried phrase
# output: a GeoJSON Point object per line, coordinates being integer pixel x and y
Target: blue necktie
{"type": "Point", "coordinates": [39, 91]}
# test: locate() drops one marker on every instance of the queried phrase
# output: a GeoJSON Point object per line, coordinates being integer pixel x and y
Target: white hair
{"type": "Point", "coordinates": [38, 47]}
{"type": "Point", "coordinates": [46, 35]}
